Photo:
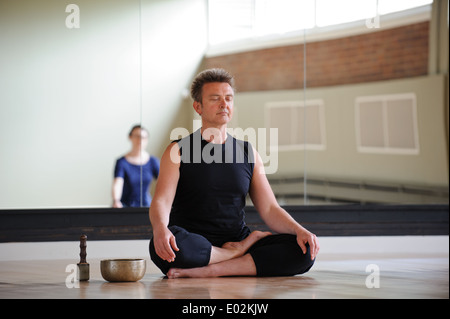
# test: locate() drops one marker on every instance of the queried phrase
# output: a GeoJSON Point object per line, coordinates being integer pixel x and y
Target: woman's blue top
{"type": "Point", "coordinates": [136, 188]}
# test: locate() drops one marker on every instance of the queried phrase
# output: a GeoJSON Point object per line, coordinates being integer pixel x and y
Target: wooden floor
{"type": "Point", "coordinates": [405, 277]}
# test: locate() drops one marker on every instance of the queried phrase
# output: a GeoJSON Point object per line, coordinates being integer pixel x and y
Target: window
{"type": "Point", "coordinates": [231, 20]}
{"type": "Point", "coordinates": [300, 125]}
{"type": "Point", "coordinates": [387, 124]}
{"type": "Point", "coordinates": [331, 12]}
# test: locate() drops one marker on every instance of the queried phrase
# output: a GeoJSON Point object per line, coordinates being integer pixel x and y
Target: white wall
{"type": "Point", "coordinates": [68, 97]}
{"type": "Point", "coordinates": [341, 247]}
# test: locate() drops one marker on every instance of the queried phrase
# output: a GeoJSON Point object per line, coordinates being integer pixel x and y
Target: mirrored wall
{"type": "Point", "coordinates": [75, 78]}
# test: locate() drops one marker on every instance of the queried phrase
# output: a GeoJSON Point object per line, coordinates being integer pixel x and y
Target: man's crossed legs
{"type": "Point", "coordinates": [259, 254]}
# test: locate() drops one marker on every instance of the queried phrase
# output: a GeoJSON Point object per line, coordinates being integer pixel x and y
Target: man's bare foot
{"type": "Point", "coordinates": [240, 247]}
{"type": "Point", "coordinates": [174, 273]}
{"type": "Point", "coordinates": [242, 266]}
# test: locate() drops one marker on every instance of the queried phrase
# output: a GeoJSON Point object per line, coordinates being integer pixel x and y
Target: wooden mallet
{"type": "Point", "coordinates": [83, 266]}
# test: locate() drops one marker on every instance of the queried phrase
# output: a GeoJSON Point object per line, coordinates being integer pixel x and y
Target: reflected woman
{"type": "Point", "coordinates": [128, 183]}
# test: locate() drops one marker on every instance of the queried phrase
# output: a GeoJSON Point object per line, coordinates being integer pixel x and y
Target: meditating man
{"type": "Point", "coordinates": [197, 212]}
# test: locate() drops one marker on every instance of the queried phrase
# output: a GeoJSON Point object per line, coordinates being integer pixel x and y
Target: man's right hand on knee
{"type": "Point", "coordinates": [165, 244]}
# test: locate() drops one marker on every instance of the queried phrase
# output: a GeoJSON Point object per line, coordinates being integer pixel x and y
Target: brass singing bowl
{"type": "Point", "coordinates": [122, 269]}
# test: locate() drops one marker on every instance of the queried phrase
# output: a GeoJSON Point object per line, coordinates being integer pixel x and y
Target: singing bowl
{"type": "Point", "coordinates": [122, 269]}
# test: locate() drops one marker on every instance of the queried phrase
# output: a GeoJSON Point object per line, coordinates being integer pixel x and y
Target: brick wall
{"type": "Point", "coordinates": [387, 54]}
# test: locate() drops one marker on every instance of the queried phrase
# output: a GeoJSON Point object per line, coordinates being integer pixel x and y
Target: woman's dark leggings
{"type": "Point", "coordinates": [274, 255]}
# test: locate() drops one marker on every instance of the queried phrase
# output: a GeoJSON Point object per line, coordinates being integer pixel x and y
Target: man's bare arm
{"type": "Point", "coordinates": [275, 216]}
{"type": "Point", "coordinates": [161, 205]}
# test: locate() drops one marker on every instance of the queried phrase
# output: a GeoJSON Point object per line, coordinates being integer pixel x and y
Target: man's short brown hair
{"type": "Point", "coordinates": [209, 76]}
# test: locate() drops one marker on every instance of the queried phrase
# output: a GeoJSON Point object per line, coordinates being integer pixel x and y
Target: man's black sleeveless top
{"type": "Point", "coordinates": [213, 184]}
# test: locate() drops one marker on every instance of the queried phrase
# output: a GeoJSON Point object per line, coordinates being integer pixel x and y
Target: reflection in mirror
{"type": "Point", "coordinates": [369, 127]}
{"type": "Point", "coordinates": [69, 88]}
{"type": "Point", "coordinates": [75, 78]}
{"type": "Point", "coordinates": [134, 172]}
{"type": "Point", "coordinates": [72, 83]}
